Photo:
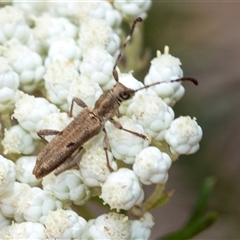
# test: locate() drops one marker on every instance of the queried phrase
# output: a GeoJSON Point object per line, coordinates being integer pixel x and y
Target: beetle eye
{"type": "Point", "coordinates": [124, 95]}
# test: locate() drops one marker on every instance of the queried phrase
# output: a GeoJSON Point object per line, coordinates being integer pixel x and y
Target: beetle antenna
{"type": "Point", "coordinates": [193, 80]}
{"type": "Point", "coordinates": [128, 38]}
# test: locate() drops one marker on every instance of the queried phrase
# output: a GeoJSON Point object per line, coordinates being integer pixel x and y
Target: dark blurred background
{"type": "Point", "coordinates": [206, 38]}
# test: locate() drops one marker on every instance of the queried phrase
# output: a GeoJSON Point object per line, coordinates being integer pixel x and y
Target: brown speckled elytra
{"type": "Point", "coordinates": [62, 152]}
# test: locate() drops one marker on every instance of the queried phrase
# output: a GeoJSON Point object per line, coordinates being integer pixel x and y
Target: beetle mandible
{"type": "Point", "coordinates": [62, 152]}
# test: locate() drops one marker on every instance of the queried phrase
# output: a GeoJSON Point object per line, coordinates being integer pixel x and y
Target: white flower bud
{"type": "Point", "coordinates": [93, 166]}
{"type": "Point", "coordinates": [24, 230]}
{"type": "Point", "coordinates": [86, 89]}
{"type": "Point", "coordinates": [24, 166]}
{"type": "Point", "coordinates": [4, 222]}
{"type": "Point", "coordinates": [35, 204]}
{"type": "Point", "coordinates": [66, 48]}
{"type": "Point", "coordinates": [26, 63]}
{"type": "Point", "coordinates": [122, 190]}
{"type": "Point", "coordinates": [108, 226]}
{"type": "Point", "coordinates": [141, 229]}
{"type": "Point", "coordinates": [130, 9]}
{"type": "Point", "coordinates": [152, 113]}
{"type": "Point", "coordinates": [18, 140]}
{"type": "Point", "coordinates": [9, 82]}
{"type": "Point", "coordinates": [104, 10]}
{"type": "Point", "coordinates": [98, 65]}
{"type": "Point", "coordinates": [165, 67]}
{"type": "Point", "coordinates": [9, 203]}
{"type": "Point", "coordinates": [68, 186]}
{"type": "Point", "coordinates": [13, 25]}
{"type": "Point", "coordinates": [7, 175]}
{"type": "Point", "coordinates": [64, 224]}
{"type": "Point", "coordinates": [30, 110]}
{"type": "Point", "coordinates": [57, 81]}
{"type": "Point", "coordinates": [119, 140]}
{"type": "Point", "coordinates": [151, 166]}
{"type": "Point", "coordinates": [184, 135]}
{"type": "Point", "coordinates": [50, 29]}
{"type": "Point", "coordinates": [96, 32]}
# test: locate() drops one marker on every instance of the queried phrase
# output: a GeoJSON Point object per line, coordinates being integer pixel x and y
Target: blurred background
{"type": "Point", "coordinates": [206, 38]}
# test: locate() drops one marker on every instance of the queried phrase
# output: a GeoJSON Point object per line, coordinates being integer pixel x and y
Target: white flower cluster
{"type": "Point", "coordinates": [49, 54]}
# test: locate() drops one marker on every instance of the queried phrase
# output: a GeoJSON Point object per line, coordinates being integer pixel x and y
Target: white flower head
{"type": "Point", "coordinates": [29, 111]}
{"type": "Point", "coordinates": [98, 65]}
{"type": "Point", "coordinates": [108, 226]}
{"type": "Point", "coordinates": [9, 83]}
{"type": "Point", "coordinates": [64, 48]}
{"type": "Point", "coordinates": [141, 229]}
{"type": "Point", "coordinates": [13, 25]}
{"type": "Point", "coordinates": [152, 113]}
{"type": "Point", "coordinates": [26, 63]}
{"type": "Point", "coordinates": [64, 224]}
{"type": "Point", "coordinates": [24, 166]}
{"type": "Point", "coordinates": [184, 135]}
{"type": "Point", "coordinates": [86, 89]}
{"type": "Point", "coordinates": [68, 186]}
{"type": "Point", "coordinates": [24, 230]}
{"type": "Point", "coordinates": [18, 140]}
{"type": "Point", "coordinates": [122, 190]}
{"type": "Point", "coordinates": [96, 32]}
{"type": "Point", "coordinates": [151, 166]}
{"type": "Point", "coordinates": [130, 9]}
{"type": "Point", "coordinates": [7, 175]}
{"type": "Point", "coordinates": [119, 140]}
{"type": "Point", "coordinates": [93, 166]}
{"type": "Point", "coordinates": [165, 68]}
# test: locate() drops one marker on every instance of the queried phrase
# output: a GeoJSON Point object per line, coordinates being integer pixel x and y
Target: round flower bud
{"type": "Point", "coordinates": [26, 63]}
{"type": "Point", "coordinates": [96, 32]}
{"type": "Point", "coordinates": [50, 29]}
{"type": "Point", "coordinates": [35, 205]}
{"type": "Point", "coordinates": [122, 190]}
{"type": "Point", "coordinates": [118, 227]}
{"type": "Point", "coordinates": [119, 140]}
{"type": "Point", "coordinates": [165, 68]}
{"type": "Point", "coordinates": [58, 78]}
{"type": "Point", "coordinates": [13, 25]}
{"type": "Point", "coordinates": [9, 82]}
{"type": "Point", "coordinates": [98, 65]}
{"type": "Point", "coordinates": [68, 186]}
{"type": "Point", "coordinates": [18, 140]}
{"type": "Point", "coordinates": [86, 89]}
{"type": "Point", "coordinates": [64, 224]}
{"type": "Point", "coordinates": [93, 166]}
{"type": "Point", "coordinates": [184, 135]}
{"type": "Point", "coordinates": [152, 113]}
{"type": "Point", "coordinates": [151, 166]}
{"type": "Point", "coordinates": [141, 229]}
{"type": "Point", "coordinates": [66, 48]}
{"type": "Point", "coordinates": [24, 230]}
{"type": "Point", "coordinates": [130, 9]}
{"type": "Point", "coordinates": [7, 175]}
{"type": "Point", "coordinates": [30, 110]}
{"type": "Point", "coordinates": [9, 203]}
{"type": "Point", "coordinates": [24, 166]}
{"type": "Point", "coordinates": [4, 222]}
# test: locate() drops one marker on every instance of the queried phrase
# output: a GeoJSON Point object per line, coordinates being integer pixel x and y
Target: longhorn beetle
{"type": "Point", "coordinates": [62, 152]}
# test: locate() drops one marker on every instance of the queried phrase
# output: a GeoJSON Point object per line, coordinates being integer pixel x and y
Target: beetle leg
{"type": "Point", "coordinates": [105, 147]}
{"type": "Point", "coordinates": [119, 126]}
{"type": "Point", "coordinates": [46, 132]}
{"type": "Point", "coordinates": [79, 102]}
